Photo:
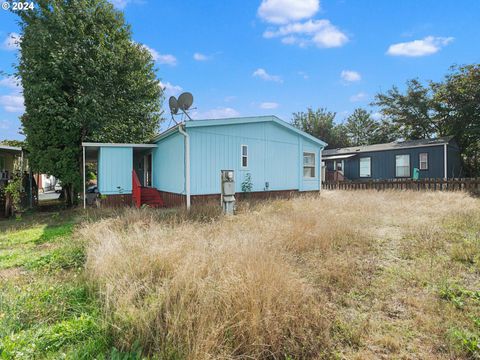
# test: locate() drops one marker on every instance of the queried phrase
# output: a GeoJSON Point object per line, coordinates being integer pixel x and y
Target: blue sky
{"type": "Point", "coordinates": [242, 58]}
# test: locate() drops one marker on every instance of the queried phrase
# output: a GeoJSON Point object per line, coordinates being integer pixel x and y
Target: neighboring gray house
{"type": "Point", "coordinates": [435, 158]}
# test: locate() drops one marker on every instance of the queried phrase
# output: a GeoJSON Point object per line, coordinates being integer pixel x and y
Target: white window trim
{"type": "Point", "coordinates": [409, 166]}
{"type": "Point", "coordinates": [314, 166]}
{"type": "Point", "coordinates": [420, 161]}
{"type": "Point", "coordinates": [244, 156]}
{"type": "Point", "coordinates": [369, 167]}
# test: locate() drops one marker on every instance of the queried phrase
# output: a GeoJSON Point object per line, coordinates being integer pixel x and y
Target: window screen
{"type": "Point", "coordinates": [308, 165]}
{"type": "Point", "coordinates": [365, 167]}
{"type": "Point", "coordinates": [423, 161]}
{"type": "Point", "coordinates": [244, 156]}
{"type": "Point", "coordinates": [402, 165]}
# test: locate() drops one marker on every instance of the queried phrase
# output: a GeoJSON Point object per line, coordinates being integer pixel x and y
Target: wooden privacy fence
{"type": "Point", "coordinates": [465, 184]}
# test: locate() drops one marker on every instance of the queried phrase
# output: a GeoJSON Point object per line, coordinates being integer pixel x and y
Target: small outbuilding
{"type": "Point", "coordinates": [183, 164]}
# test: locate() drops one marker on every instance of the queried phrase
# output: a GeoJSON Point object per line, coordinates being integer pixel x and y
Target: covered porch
{"type": "Point", "coordinates": [335, 166]}
{"type": "Point", "coordinates": [123, 175]}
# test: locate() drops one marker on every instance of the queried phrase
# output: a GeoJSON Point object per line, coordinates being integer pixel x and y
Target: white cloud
{"type": "Point", "coordinates": [303, 74]}
{"type": "Point", "coordinates": [230, 98]}
{"type": "Point", "coordinates": [4, 125]}
{"type": "Point", "coordinates": [12, 103]}
{"type": "Point", "coordinates": [321, 33]}
{"type": "Point", "coordinates": [167, 59]}
{"type": "Point", "coordinates": [11, 82]}
{"type": "Point", "coordinates": [269, 105]}
{"type": "Point", "coordinates": [170, 89]}
{"type": "Point", "coordinates": [427, 46]}
{"type": "Point", "coordinates": [358, 97]}
{"type": "Point", "coordinates": [217, 113]}
{"type": "Point", "coordinates": [377, 116]}
{"type": "Point", "coordinates": [122, 4]}
{"type": "Point", "coordinates": [262, 74]}
{"type": "Point", "coordinates": [119, 4]}
{"type": "Point", "coordinates": [12, 41]}
{"type": "Point", "coordinates": [201, 57]}
{"type": "Point", "coordinates": [350, 75]}
{"type": "Point", "coordinates": [284, 11]}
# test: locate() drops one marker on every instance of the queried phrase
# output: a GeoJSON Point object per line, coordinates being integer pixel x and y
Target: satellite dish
{"type": "Point", "coordinates": [185, 100]}
{"type": "Point", "coordinates": [173, 104]}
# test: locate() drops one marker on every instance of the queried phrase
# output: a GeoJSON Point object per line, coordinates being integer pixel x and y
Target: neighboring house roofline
{"type": "Point", "coordinates": [389, 146]}
{"type": "Point", "coordinates": [93, 144]}
{"type": "Point", "coordinates": [250, 120]}
{"type": "Point", "coordinates": [10, 148]}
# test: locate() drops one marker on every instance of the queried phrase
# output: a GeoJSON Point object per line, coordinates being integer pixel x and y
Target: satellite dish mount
{"type": "Point", "coordinates": [183, 103]}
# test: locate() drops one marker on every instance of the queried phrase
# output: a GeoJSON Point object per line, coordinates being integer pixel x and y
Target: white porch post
{"type": "Point", "coordinates": [84, 182]}
{"type": "Point", "coordinates": [445, 173]}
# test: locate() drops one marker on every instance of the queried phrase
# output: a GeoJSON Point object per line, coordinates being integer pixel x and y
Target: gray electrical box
{"type": "Point", "coordinates": [228, 191]}
{"type": "Point", "coordinates": [228, 188]}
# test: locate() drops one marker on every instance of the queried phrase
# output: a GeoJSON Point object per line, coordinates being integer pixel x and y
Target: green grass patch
{"type": "Point", "coordinates": [17, 257]}
{"type": "Point", "coordinates": [44, 339]}
{"type": "Point", "coordinates": [66, 257]}
{"type": "Point", "coordinates": [46, 310]}
{"type": "Point", "coordinates": [37, 235]}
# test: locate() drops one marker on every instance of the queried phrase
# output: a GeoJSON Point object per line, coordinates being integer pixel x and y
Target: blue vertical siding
{"type": "Point", "coordinates": [275, 157]}
{"type": "Point", "coordinates": [115, 166]}
{"type": "Point", "coordinates": [454, 163]}
{"type": "Point", "coordinates": [168, 167]}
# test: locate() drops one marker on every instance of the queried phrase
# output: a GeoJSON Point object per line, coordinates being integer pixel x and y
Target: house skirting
{"type": "Point", "coordinates": [116, 200]}
{"type": "Point", "coordinates": [172, 199]}
{"type": "Point", "coordinates": [177, 200]}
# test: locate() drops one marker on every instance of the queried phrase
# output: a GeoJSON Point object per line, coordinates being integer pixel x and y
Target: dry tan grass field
{"type": "Point", "coordinates": [354, 275]}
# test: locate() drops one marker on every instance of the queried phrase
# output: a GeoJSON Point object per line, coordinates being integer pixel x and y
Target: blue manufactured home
{"type": "Point", "coordinates": [434, 158]}
{"type": "Point", "coordinates": [183, 164]}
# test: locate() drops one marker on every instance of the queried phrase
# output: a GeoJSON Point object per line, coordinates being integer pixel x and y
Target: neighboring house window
{"type": "Point", "coordinates": [2, 163]}
{"type": "Point", "coordinates": [423, 161]}
{"type": "Point", "coordinates": [402, 165]}
{"type": "Point", "coordinates": [244, 156]}
{"type": "Point", "coordinates": [340, 165]}
{"type": "Point", "coordinates": [365, 167]}
{"type": "Point", "coordinates": [308, 165]}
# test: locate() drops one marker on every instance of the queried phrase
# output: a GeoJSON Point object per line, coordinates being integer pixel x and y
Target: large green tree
{"type": "Point", "coordinates": [413, 111]}
{"type": "Point", "coordinates": [458, 99]}
{"type": "Point", "coordinates": [83, 79]}
{"type": "Point", "coordinates": [448, 107]}
{"type": "Point", "coordinates": [321, 124]}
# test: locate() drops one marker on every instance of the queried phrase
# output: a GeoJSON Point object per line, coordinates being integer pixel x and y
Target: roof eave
{"type": "Point", "coordinates": [251, 120]}
{"type": "Point", "coordinates": [166, 133]}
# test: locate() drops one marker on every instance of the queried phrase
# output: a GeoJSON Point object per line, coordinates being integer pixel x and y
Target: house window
{"type": "Point", "coordinates": [244, 156]}
{"type": "Point", "coordinates": [308, 165]}
{"type": "Point", "coordinates": [402, 165]}
{"type": "Point", "coordinates": [339, 165]}
{"type": "Point", "coordinates": [2, 163]}
{"type": "Point", "coordinates": [365, 167]}
{"type": "Point", "coordinates": [423, 161]}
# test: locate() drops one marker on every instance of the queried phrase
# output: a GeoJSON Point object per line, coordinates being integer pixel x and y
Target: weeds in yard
{"type": "Point", "coordinates": [344, 274]}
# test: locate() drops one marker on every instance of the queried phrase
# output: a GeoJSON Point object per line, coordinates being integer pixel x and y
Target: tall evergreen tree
{"type": "Point", "coordinates": [83, 79]}
{"type": "Point", "coordinates": [361, 127]}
